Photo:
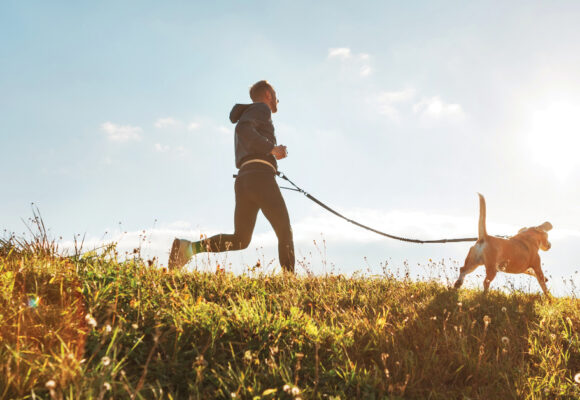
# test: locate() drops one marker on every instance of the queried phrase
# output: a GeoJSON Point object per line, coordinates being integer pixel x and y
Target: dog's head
{"type": "Point", "coordinates": [539, 234]}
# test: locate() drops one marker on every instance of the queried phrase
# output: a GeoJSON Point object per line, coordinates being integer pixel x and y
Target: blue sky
{"type": "Point", "coordinates": [114, 118]}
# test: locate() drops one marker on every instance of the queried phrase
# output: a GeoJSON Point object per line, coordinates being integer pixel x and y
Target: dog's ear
{"type": "Point", "coordinates": [546, 226]}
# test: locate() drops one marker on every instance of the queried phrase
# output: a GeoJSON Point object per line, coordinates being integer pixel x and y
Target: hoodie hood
{"type": "Point", "coordinates": [237, 112]}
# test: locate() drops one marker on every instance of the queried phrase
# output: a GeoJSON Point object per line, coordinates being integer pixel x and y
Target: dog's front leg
{"type": "Point", "coordinates": [540, 277]}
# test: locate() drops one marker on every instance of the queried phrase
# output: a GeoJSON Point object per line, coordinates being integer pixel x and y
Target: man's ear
{"type": "Point", "coordinates": [546, 226]}
{"type": "Point", "coordinates": [267, 96]}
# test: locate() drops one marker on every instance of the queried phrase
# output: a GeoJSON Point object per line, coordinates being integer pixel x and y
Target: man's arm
{"type": "Point", "coordinates": [247, 133]}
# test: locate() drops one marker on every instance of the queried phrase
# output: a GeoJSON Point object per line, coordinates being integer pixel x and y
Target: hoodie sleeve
{"type": "Point", "coordinates": [247, 132]}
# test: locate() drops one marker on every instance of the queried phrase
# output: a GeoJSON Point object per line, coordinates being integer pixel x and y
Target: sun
{"type": "Point", "coordinates": [554, 138]}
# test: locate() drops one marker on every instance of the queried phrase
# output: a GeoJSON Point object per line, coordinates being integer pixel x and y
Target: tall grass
{"type": "Point", "coordinates": [93, 326]}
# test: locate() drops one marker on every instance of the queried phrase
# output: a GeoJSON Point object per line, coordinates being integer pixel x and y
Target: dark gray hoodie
{"type": "Point", "coordinates": [254, 137]}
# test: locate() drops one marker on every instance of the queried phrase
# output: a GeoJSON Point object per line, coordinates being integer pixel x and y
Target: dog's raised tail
{"type": "Point", "coordinates": [482, 233]}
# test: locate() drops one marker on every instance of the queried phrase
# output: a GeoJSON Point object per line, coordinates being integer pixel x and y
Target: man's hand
{"type": "Point", "coordinates": [279, 152]}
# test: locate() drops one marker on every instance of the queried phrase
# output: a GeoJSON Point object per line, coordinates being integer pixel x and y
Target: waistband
{"type": "Point", "coordinates": [256, 160]}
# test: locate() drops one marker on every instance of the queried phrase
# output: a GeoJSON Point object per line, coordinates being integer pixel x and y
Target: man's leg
{"type": "Point", "coordinates": [245, 216]}
{"type": "Point", "coordinates": [274, 208]}
{"type": "Point", "coordinates": [244, 221]}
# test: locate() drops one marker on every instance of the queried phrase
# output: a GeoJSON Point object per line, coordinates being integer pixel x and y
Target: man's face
{"type": "Point", "coordinates": [272, 100]}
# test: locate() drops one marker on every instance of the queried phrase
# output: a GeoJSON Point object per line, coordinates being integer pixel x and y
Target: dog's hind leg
{"type": "Point", "coordinates": [471, 263]}
{"type": "Point", "coordinates": [490, 273]}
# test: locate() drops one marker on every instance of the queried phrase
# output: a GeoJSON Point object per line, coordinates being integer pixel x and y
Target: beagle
{"type": "Point", "coordinates": [515, 255]}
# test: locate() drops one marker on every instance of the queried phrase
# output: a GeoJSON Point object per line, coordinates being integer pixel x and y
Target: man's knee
{"type": "Point", "coordinates": [244, 241]}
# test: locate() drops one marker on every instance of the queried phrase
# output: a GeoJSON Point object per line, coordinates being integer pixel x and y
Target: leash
{"type": "Point", "coordinates": [321, 204]}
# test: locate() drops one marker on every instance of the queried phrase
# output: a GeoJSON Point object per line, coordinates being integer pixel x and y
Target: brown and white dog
{"type": "Point", "coordinates": [517, 254]}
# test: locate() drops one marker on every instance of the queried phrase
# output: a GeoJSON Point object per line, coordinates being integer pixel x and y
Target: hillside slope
{"type": "Point", "coordinates": [98, 328]}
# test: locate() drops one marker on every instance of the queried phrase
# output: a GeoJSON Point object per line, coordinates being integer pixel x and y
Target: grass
{"type": "Point", "coordinates": [93, 326]}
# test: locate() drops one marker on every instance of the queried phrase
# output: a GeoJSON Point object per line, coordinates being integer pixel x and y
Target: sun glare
{"type": "Point", "coordinates": [554, 138]}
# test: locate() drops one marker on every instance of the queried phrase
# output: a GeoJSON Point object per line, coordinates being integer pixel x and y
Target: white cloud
{"type": "Point", "coordinates": [224, 129]}
{"type": "Point", "coordinates": [165, 148]}
{"type": "Point", "coordinates": [359, 61]}
{"type": "Point", "coordinates": [339, 52]}
{"type": "Point", "coordinates": [404, 223]}
{"type": "Point", "coordinates": [180, 150]}
{"type": "Point", "coordinates": [166, 122]}
{"type": "Point", "coordinates": [179, 225]}
{"type": "Point", "coordinates": [365, 70]}
{"type": "Point", "coordinates": [121, 133]}
{"type": "Point", "coordinates": [193, 126]}
{"type": "Point", "coordinates": [388, 102]}
{"type": "Point", "coordinates": [434, 107]}
{"type": "Point", "coordinates": [162, 148]}
{"type": "Point", "coordinates": [393, 104]}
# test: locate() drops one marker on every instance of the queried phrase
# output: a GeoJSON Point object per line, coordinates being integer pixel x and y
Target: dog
{"type": "Point", "coordinates": [515, 255]}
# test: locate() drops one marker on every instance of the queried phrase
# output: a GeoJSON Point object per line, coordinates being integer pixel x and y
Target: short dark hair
{"type": "Point", "coordinates": [258, 89]}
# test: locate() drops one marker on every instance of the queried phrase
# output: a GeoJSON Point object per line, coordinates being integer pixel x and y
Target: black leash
{"type": "Point", "coordinates": [321, 204]}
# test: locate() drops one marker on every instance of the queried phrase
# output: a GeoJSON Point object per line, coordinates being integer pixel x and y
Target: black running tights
{"type": "Point", "coordinates": [257, 190]}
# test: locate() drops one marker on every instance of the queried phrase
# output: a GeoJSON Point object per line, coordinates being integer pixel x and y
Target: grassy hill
{"type": "Point", "coordinates": [95, 327]}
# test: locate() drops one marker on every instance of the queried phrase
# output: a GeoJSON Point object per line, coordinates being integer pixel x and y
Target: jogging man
{"type": "Point", "coordinates": [255, 186]}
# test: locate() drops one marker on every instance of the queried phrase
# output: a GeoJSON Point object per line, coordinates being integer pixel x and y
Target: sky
{"type": "Point", "coordinates": [114, 123]}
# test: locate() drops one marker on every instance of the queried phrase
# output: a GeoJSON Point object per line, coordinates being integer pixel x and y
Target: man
{"type": "Point", "coordinates": [255, 187]}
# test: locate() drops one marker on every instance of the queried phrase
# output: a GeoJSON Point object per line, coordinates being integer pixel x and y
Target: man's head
{"type": "Point", "coordinates": [263, 92]}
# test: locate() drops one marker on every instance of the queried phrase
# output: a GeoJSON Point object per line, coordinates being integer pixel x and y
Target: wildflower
{"type": "Point", "coordinates": [503, 310]}
{"type": "Point", "coordinates": [200, 360]}
{"type": "Point", "coordinates": [295, 391]}
{"type": "Point", "coordinates": [486, 320]}
{"type": "Point", "coordinates": [135, 326]}
{"type": "Point", "coordinates": [577, 378]}
{"type": "Point", "coordinates": [107, 386]}
{"type": "Point", "coordinates": [505, 340]}
{"type": "Point", "coordinates": [286, 388]}
{"type": "Point", "coordinates": [552, 336]}
{"type": "Point", "coordinates": [108, 329]}
{"type": "Point", "coordinates": [233, 395]}
{"type": "Point", "coordinates": [106, 361]}
{"type": "Point", "coordinates": [459, 304]}
{"type": "Point", "coordinates": [384, 357]}
{"type": "Point", "coordinates": [91, 320]}
{"type": "Point", "coordinates": [52, 384]}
